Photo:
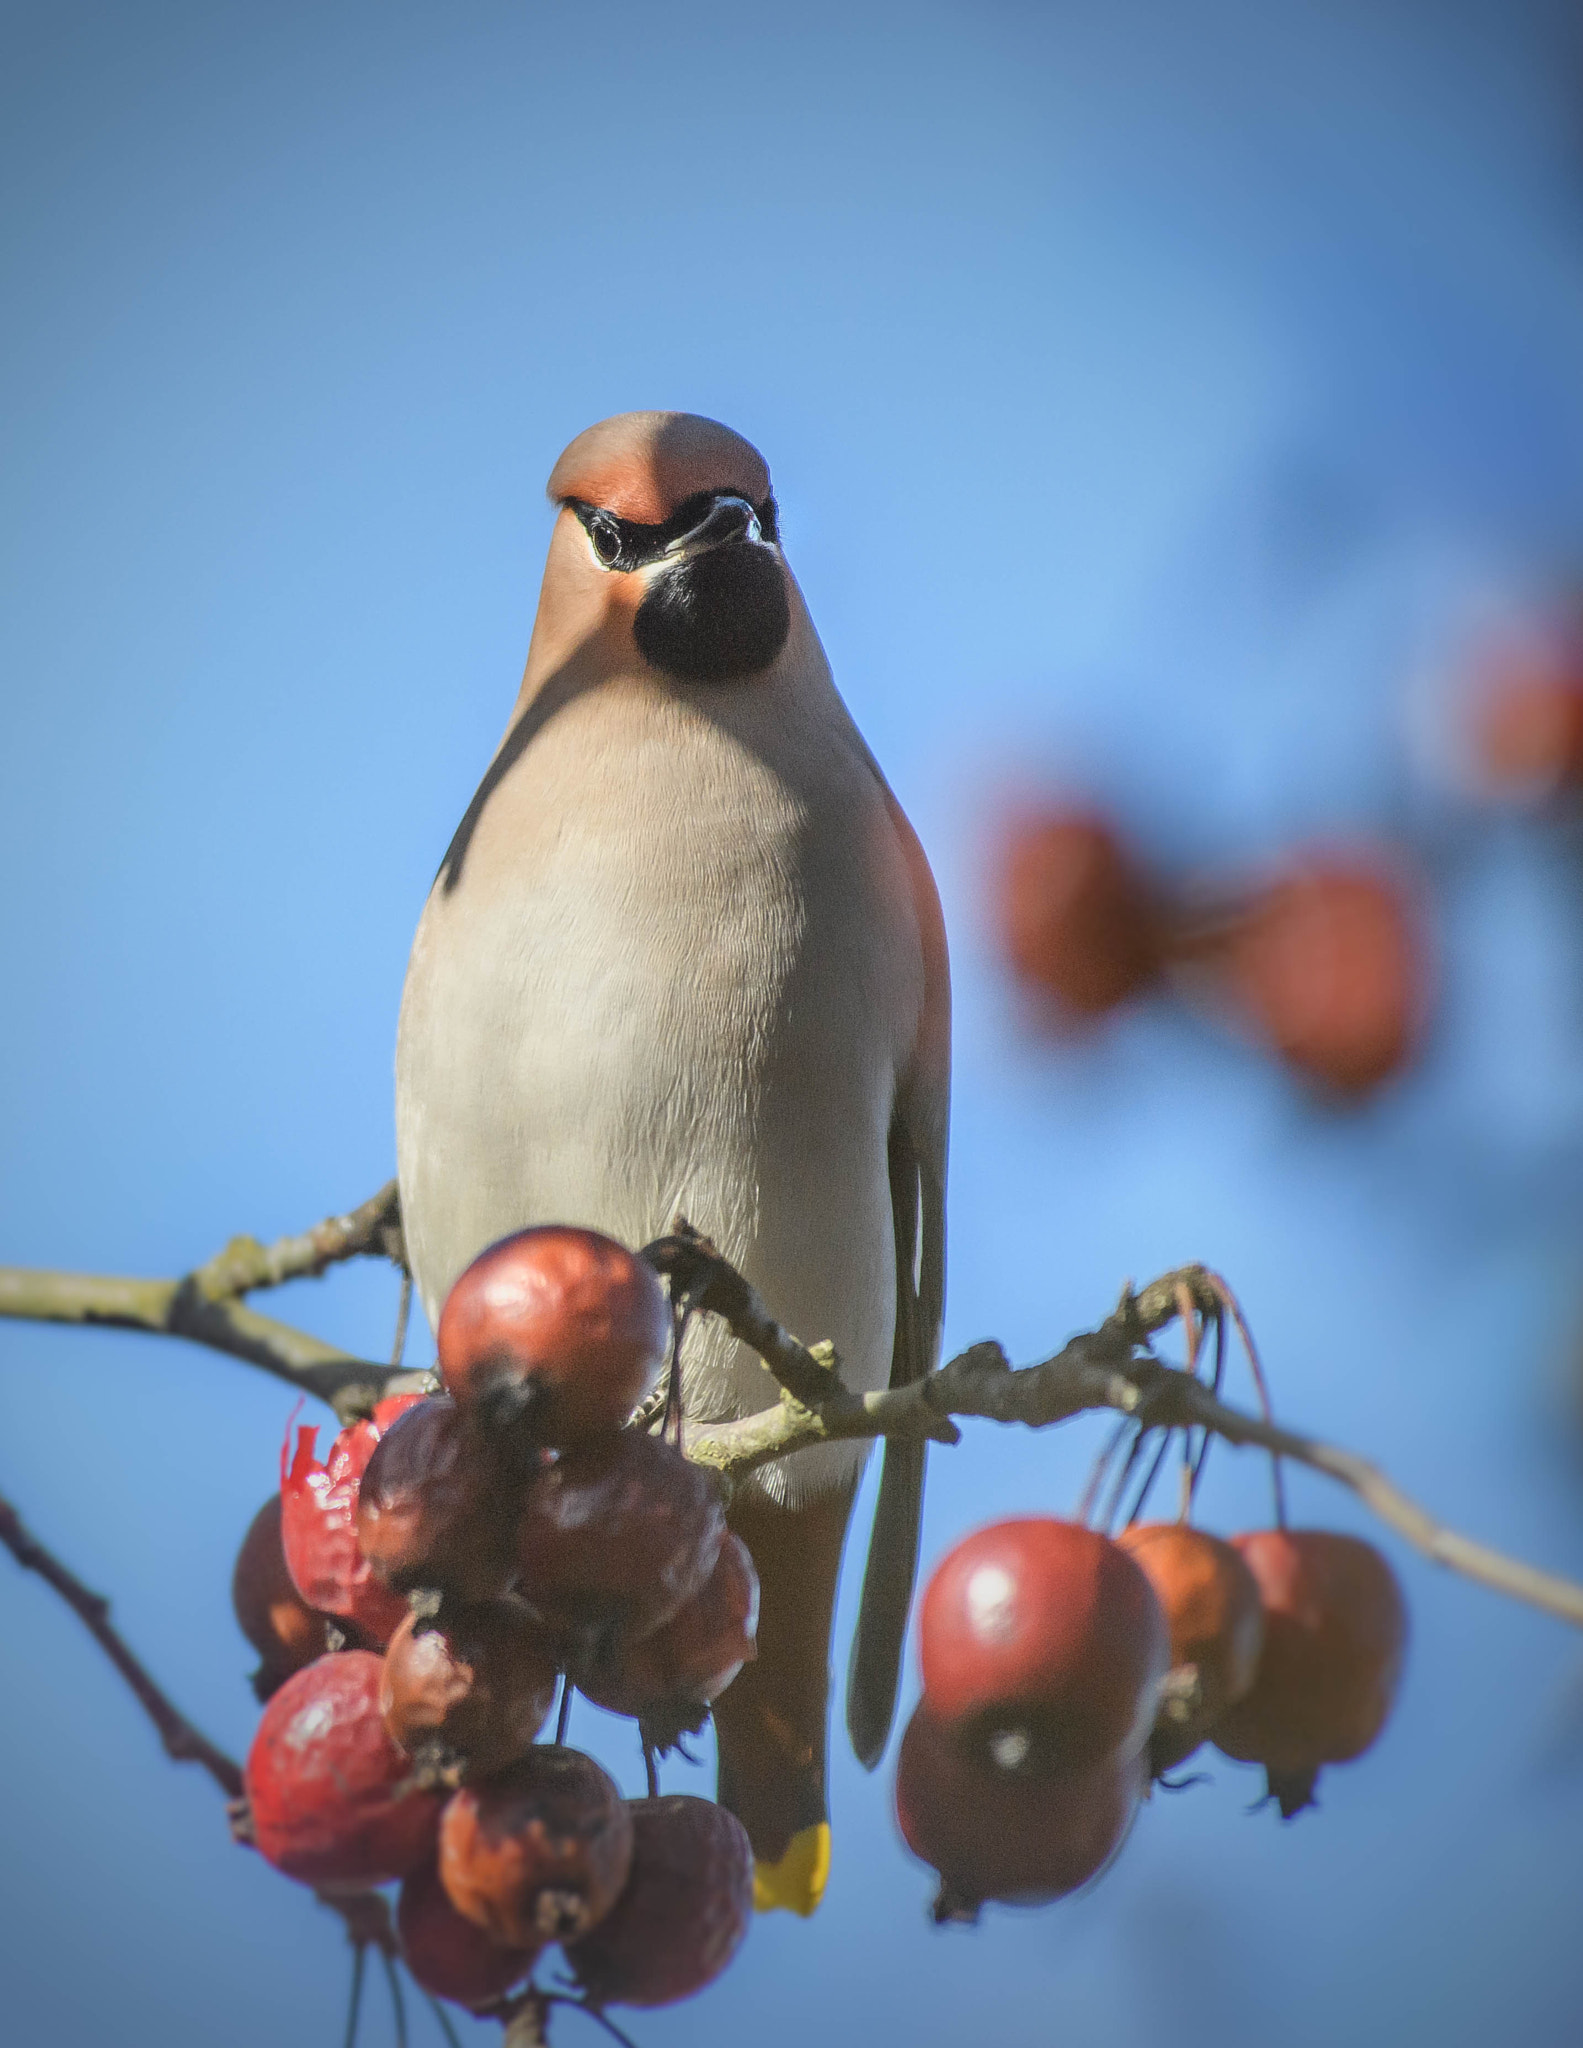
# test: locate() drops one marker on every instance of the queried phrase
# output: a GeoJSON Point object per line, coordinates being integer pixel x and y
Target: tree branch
{"type": "Point", "coordinates": [206, 1307]}
{"type": "Point", "coordinates": [1105, 1368]}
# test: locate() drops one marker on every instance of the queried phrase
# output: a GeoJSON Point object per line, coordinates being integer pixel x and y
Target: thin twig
{"type": "Point", "coordinates": [398, 2004]}
{"type": "Point", "coordinates": [442, 2020]}
{"type": "Point", "coordinates": [354, 2004]}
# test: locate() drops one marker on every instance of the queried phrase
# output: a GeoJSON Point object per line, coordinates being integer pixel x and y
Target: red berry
{"type": "Point", "coordinates": [616, 1536]}
{"type": "Point", "coordinates": [333, 1799]}
{"type": "Point", "coordinates": [470, 1692]}
{"type": "Point", "coordinates": [438, 1504]}
{"type": "Point", "coordinates": [448, 1955]}
{"type": "Point", "coordinates": [319, 1531]}
{"type": "Point", "coordinates": [1080, 918]}
{"type": "Point", "coordinates": [1048, 1628]}
{"type": "Point", "coordinates": [1210, 1600]}
{"type": "Point", "coordinates": [540, 1851]}
{"type": "Point", "coordinates": [668, 1679]}
{"type": "Point", "coordinates": [286, 1632]}
{"type": "Point", "coordinates": [1529, 730]}
{"type": "Point", "coordinates": [1329, 965]}
{"type": "Point", "coordinates": [1335, 1630]}
{"type": "Point", "coordinates": [561, 1325]}
{"type": "Point", "coordinates": [1020, 1835]}
{"type": "Point", "coordinates": [685, 1909]}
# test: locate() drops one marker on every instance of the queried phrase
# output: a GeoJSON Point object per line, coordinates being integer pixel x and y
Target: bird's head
{"type": "Point", "coordinates": [668, 537]}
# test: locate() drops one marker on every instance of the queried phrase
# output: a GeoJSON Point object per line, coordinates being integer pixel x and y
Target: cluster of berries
{"type": "Point", "coordinates": [1325, 962]}
{"type": "Point", "coordinates": [418, 1596]}
{"type": "Point", "coordinates": [1063, 1672]}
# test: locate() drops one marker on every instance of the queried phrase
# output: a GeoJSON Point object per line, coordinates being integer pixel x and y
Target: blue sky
{"type": "Point", "coordinates": [1157, 403]}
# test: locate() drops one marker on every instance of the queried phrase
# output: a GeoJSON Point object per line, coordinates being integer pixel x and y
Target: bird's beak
{"type": "Point", "coordinates": [729, 518]}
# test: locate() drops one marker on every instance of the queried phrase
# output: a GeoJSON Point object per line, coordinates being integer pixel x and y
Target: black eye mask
{"type": "Point", "coordinates": [623, 544]}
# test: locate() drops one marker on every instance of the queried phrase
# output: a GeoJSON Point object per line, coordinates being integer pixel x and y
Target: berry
{"type": "Point", "coordinates": [438, 1503]}
{"type": "Point", "coordinates": [450, 1956]}
{"type": "Point", "coordinates": [540, 1851]}
{"type": "Point", "coordinates": [319, 1531]}
{"type": "Point", "coordinates": [1210, 1600]}
{"type": "Point", "coordinates": [1021, 1834]}
{"type": "Point", "coordinates": [468, 1693]}
{"type": "Point", "coordinates": [1047, 1631]}
{"type": "Point", "coordinates": [615, 1537]}
{"type": "Point", "coordinates": [333, 1799]}
{"type": "Point", "coordinates": [271, 1613]}
{"type": "Point", "coordinates": [683, 1914]}
{"type": "Point", "coordinates": [1335, 1629]}
{"type": "Point", "coordinates": [1080, 919]}
{"type": "Point", "coordinates": [563, 1327]}
{"type": "Point", "coordinates": [667, 1680]}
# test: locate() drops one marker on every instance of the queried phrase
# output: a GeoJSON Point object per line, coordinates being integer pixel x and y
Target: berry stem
{"type": "Point", "coordinates": [564, 1714]}
{"type": "Point", "coordinates": [398, 2004]}
{"type": "Point", "coordinates": [355, 2002]}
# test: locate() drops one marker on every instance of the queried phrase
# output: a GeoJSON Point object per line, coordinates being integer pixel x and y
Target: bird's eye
{"type": "Point", "coordinates": [607, 541]}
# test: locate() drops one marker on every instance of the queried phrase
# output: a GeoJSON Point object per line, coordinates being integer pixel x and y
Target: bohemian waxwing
{"type": "Point", "coordinates": [685, 955]}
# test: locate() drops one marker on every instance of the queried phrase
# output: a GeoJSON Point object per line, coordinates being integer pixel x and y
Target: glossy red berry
{"type": "Point", "coordinates": [1080, 918]}
{"type": "Point", "coordinates": [286, 1632]}
{"type": "Point", "coordinates": [1210, 1600]}
{"type": "Point", "coordinates": [450, 1956]}
{"type": "Point", "coordinates": [470, 1692]}
{"type": "Point", "coordinates": [538, 1852]}
{"type": "Point", "coordinates": [668, 1678]}
{"type": "Point", "coordinates": [438, 1504]}
{"type": "Point", "coordinates": [319, 1531]}
{"type": "Point", "coordinates": [1023, 1835]}
{"type": "Point", "coordinates": [685, 1909]}
{"type": "Point", "coordinates": [1335, 1632]}
{"type": "Point", "coordinates": [561, 1326]}
{"type": "Point", "coordinates": [616, 1536]}
{"type": "Point", "coordinates": [1047, 1628]}
{"type": "Point", "coordinates": [333, 1799]}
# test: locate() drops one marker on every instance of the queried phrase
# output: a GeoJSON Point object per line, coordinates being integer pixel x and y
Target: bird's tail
{"type": "Point", "coordinates": [772, 1720]}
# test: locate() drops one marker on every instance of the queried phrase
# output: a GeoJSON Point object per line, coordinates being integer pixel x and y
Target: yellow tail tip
{"type": "Point", "coordinates": [798, 1879]}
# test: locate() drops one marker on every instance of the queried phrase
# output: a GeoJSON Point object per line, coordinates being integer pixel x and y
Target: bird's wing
{"type": "Point", "coordinates": [917, 1157]}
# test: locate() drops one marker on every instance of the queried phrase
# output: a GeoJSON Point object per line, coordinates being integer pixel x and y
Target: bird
{"type": "Point", "coordinates": [685, 956]}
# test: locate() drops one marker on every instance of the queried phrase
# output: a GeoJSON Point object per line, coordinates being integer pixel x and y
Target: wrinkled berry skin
{"type": "Point", "coordinates": [332, 1797]}
{"type": "Point", "coordinates": [1021, 1836]}
{"type": "Point", "coordinates": [474, 1689]}
{"type": "Point", "coordinates": [683, 1914]}
{"type": "Point", "coordinates": [286, 1632]}
{"type": "Point", "coordinates": [1335, 1632]}
{"type": "Point", "coordinates": [667, 1679]}
{"type": "Point", "coordinates": [319, 1531]}
{"type": "Point", "coordinates": [1050, 1626]}
{"type": "Point", "coordinates": [450, 1956]}
{"type": "Point", "coordinates": [438, 1505]}
{"type": "Point", "coordinates": [540, 1851]}
{"type": "Point", "coordinates": [560, 1326]}
{"type": "Point", "coordinates": [617, 1536]}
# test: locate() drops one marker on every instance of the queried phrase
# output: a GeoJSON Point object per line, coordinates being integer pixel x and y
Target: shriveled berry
{"type": "Point", "coordinates": [1335, 1631]}
{"type": "Point", "coordinates": [1048, 1629]}
{"type": "Point", "coordinates": [332, 1798]}
{"type": "Point", "coordinates": [471, 1691]}
{"type": "Point", "coordinates": [449, 1955]}
{"type": "Point", "coordinates": [1009, 1831]}
{"type": "Point", "coordinates": [685, 1909]}
{"type": "Point", "coordinates": [438, 1504]}
{"type": "Point", "coordinates": [286, 1632]}
{"type": "Point", "coordinates": [1080, 918]}
{"type": "Point", "coordinates": [319, 1531]}
{"type": "Point", "coordinates": [1210, 1600]}
{"type": "Point", "coordinates": [616, 1536]}
{"type": "Point", "coordinates": [668, 1679]}
{"type": "Point", "coordinates": [560, 1326]}
{"type": "Point", "coordinates": [540, 1851]}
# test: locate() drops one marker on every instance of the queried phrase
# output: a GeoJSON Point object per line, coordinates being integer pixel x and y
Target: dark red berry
{"type": "Point", "coordinates": [540, 1851]}
{"type": "Point", "coordinates": [683, 1914]}
{"type": "Point", "coordinates": [332, 1797]}
{"type": "Point", "coordinates": [667, 1679]}
{"type": "Point", "coordinates": [562, 1326]}
{"type": "Point", "coordinates": [471, 1691]}
{"type": "Point", "coordinates": [286, 1632]}
{"type": "Point", "coordinates": [1080, 918]}
{"type": "Point", "coordinates": [1046, 1627]}
{"type": "Point", "coordinates": [1210, 1600]}
{"type": "Point", "coordinates": [438, 1504]}
{"type": "Point", "coordinates": [449, 1955]}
